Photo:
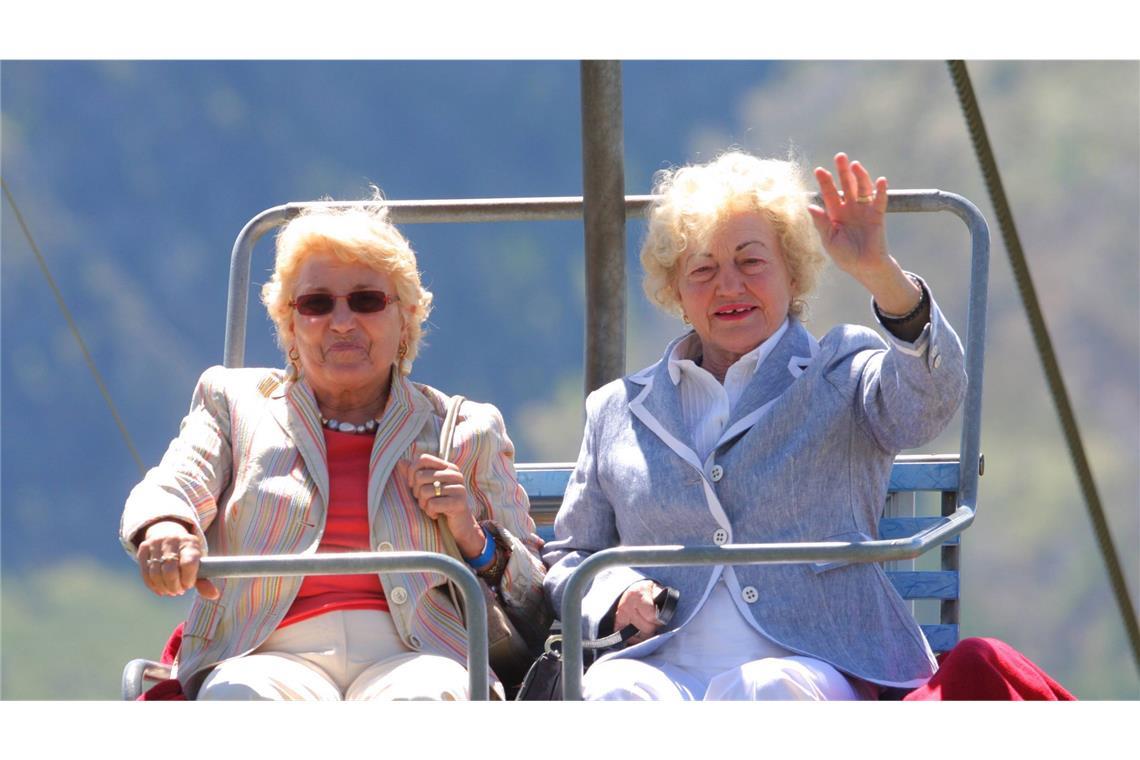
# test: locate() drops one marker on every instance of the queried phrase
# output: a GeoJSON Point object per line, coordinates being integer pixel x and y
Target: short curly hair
{"type": "Point", "coordinates": [694, 199]}
{"type": "Point", "coordinates": [360, 234]}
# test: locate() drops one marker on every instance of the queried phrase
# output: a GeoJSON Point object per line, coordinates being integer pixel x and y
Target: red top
{"type": "Point", "coordinates": [346, 530]}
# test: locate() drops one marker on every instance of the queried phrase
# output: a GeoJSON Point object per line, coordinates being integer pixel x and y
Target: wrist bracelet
{"type": "Point", "coordinates": [493, 572]}
{"type": "Point", "coordinates": [487, 555]}
{"type": "Point", "coordinates": [923, 299]}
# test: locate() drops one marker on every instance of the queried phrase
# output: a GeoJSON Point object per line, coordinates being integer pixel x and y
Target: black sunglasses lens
{"type": "Point", "coordinates": [367, 301]}
{"type": "Point", "coordinates": [315, 304]}
{"type": "Point", "coordinates": [361, 302]}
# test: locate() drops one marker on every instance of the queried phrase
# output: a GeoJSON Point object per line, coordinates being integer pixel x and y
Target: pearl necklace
{"type": "Point", "coordinates": [347, 427]}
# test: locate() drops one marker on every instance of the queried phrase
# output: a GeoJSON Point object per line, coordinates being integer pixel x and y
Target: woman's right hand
{"type": "Point", "coordinates": [168, 560]}
{"type": "Point", "coordinates": [636, 607]}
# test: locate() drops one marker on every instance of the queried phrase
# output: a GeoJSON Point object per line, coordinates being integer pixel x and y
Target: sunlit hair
{"type": "Point", "coordinates": [353, 235]}
{"type": "Point", "coordinates": [695, 199]}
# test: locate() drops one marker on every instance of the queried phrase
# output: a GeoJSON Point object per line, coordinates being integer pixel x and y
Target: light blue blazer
{"type": "Point", "coordinates": [806, 456]}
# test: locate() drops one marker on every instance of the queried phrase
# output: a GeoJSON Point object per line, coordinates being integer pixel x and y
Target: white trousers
{"type": "Point", "coordinates": [339, 655]}
{"type": "Point", "coordinates": [718, 656]}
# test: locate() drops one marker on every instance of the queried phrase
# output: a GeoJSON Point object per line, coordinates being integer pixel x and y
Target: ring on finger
{"type": "Point", "coordinates": [438, 487]}
{"type": "Point", "coordinates": [169, 557]}
{"type": "Point", "coordinates": [865, 199]}
{"type": "Point", "coordinates": [152, 561]}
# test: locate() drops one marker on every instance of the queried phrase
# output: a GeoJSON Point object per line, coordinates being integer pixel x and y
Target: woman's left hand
{"type": "Point", "coordinates": [854, 233]}
{"type": "Point", "coordinates": [441, 492]}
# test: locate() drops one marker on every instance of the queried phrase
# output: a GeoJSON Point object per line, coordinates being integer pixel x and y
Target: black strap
{"type": "Point", "coordinates": [666, 603]}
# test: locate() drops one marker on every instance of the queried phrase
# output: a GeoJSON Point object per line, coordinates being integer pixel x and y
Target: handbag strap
{"type": "Point", "coordinates": [446, 434]}
{"type": "Point", "coordinates": [666, 603]}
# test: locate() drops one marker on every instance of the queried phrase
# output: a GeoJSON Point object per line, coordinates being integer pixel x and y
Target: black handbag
{"type": "Point", "coordinates": [543, 681]}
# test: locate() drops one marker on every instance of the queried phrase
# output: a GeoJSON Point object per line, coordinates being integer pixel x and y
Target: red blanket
{"type": "Point", "coordinates": [988, 669]}
{"type": "Point", "coordinates": [976, 669]}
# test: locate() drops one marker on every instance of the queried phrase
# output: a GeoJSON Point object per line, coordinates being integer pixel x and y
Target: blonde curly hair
{"type": "Point", "coordinates": [693, 200]}
{"type": "Point", "coordinates": [354, 234]}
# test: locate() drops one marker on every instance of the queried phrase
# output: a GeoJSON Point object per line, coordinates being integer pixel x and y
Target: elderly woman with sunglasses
{"type": "Point", "coordinates": [335, 454]}
{"type": "Point", "coordinates": [750, 430]}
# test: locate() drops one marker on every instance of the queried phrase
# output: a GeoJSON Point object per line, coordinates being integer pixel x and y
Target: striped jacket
{"type": "Point", "coordinates": [248, 471]}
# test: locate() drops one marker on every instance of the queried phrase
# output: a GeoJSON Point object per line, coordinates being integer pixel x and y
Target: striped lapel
{"type": "Point", "coordinates": [401, 423]}
{"type": "Point", "coordinates": [298, 414]}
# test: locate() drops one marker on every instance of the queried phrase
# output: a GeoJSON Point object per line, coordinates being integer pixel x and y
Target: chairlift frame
{"type": "Point", "coordinates": [605, 338]}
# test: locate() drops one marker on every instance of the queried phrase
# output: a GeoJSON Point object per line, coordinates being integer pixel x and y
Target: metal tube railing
{"type": "Point", "coordinates": [866, 551]}
{"type": "Point", "coordinates": [730, 554]}
{"type": "Point", "coordinates": [571, 208]}
{"type": "Point", "coordinates": [471, 210]}
{"type": "Point", "coordinates": [910, 201]}
{"type": "Point", "coordinates": [377, 562]}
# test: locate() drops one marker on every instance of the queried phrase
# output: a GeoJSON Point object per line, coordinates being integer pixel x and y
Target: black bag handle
{"type": "Point", "coordinates": [666, 603]}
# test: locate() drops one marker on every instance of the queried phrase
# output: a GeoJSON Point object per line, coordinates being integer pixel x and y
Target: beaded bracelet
{"type": "Point", "coordinates": [923, 299]}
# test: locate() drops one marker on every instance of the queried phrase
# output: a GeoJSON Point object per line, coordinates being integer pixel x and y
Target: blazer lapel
{"type": "Point", "coordinates": [779, 370]}
{"type": "Point", "coordinates": [297, 412]}
{"type": "Point", "coordinates": [658, 406]}
{"type": "Point", "coordinates": [401, 423]}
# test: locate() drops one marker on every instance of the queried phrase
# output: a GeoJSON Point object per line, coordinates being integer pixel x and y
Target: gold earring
{"type": "Point", "coordinates": [685, 319]}
{"type": "Point", "coordinates": [403, 350]}
{"type": "Point", "coordinates": [294, 373]}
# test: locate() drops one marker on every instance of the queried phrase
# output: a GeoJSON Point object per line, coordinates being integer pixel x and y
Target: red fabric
{"type": "Point", "coordinates": [988, 669]}
{"type": "Point", "coordinates": [169, 689]}
{"type": "Point", "coordinates": [346, 530]}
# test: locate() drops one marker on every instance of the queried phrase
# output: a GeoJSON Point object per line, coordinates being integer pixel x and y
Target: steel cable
{"type": "Point", "coordinates": [74, 328]}
{"type": "Point", "coordinates": [1025, 288]}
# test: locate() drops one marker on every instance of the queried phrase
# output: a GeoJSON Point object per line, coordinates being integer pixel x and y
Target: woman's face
{"type": "Point", "coordinates": [737, 292]}
{"type": "Point", "coordinates": [345, 351]}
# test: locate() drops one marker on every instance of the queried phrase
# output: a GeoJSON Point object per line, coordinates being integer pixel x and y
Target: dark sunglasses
{"type": "Point", "coordinates": [359, 301]}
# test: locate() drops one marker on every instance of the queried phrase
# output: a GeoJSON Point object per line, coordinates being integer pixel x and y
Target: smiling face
{"type": "Point", "coordinates": [345, 354]}
{"type": "Point", "coordinates": [737, 290]}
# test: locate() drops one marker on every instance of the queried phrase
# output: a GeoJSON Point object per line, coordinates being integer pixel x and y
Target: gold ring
{"type": "Point", "coordinates": [438, 487]}
{"type": "Point", "coordinates": [865, 199]}
{"type": "Point", "coordinates": [168, 557]}
{"type": "Point", "coordinates": [151, 562]}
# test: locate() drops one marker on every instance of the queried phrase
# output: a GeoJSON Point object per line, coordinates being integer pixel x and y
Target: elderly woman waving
{"type": "Point", "coordinates": [335, 454]}
{"type": "Point", "coordinates": [750, 430]}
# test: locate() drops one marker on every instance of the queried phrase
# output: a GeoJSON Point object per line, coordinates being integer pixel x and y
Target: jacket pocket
{"type": "Point", "coordinates": [851, 536]}
{"type": "Point", "coordinates": [203, 620]}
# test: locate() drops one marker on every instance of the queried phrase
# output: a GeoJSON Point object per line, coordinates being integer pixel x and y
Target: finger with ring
{"type": "Point", "coordinates": [152, 561]}
{"type": "Point", "coordinates": [865, 199]}
{"type": "Point", "coordinates": [438, 487]}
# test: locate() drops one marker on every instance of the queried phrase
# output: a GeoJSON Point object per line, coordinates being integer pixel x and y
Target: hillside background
{"type": "Point", "coordinates": [135, 178]}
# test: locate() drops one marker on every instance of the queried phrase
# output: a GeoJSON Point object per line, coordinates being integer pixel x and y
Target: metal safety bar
{"type": "Point", "coordinates": [377, 562]}
{"type": "Point", "coordinates": [731, 554]}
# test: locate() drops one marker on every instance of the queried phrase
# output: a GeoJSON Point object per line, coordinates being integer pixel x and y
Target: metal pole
{"type": "Point", "coordinates": [603, 190]}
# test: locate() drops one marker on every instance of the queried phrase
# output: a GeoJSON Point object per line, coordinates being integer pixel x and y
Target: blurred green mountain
{"type": "Point", "coordinates": [136, 177]}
